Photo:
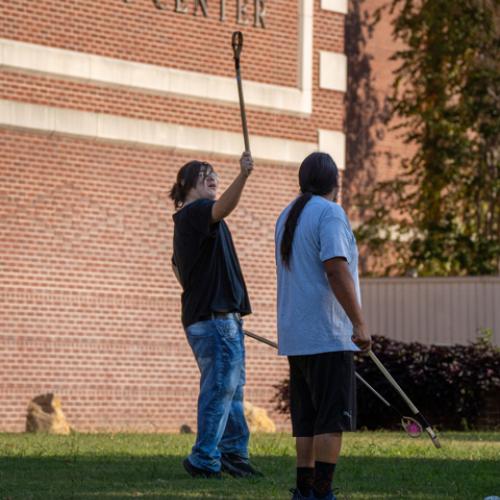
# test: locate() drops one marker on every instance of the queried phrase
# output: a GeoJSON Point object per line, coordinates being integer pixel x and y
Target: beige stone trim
{"type": "Point", "coordinates": [333, 143]}
{"type": "Point", "coordinates": [167, 135]}
{"type": "Point", "coordinates": [335, 6]}
{"type": "Point", "coordinates": [333, 71]}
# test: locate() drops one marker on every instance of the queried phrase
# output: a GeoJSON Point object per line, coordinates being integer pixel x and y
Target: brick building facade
{"type": "Point", "coordinates": [101, 102]}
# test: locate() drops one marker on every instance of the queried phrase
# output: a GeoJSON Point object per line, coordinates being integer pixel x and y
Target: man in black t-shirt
{"type": "Point", "coordinates": [214, 299]}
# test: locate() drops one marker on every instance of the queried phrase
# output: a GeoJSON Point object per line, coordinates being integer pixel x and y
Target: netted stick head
{"type": "Point", "coordinates": [237, 43]}
{"type": "Point", "coordinates": [411, 426]}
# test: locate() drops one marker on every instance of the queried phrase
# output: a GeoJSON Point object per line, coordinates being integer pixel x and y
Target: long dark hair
{"type": "Point", "coordinates": [318, 175]}
{"type": "Point", "coordinates": [187, 177]}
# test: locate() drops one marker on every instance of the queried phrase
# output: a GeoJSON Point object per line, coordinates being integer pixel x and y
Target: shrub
{"type": "Point", "coordinates": [448, 384]}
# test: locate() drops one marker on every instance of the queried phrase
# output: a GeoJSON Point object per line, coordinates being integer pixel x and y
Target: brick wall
{"type": "Point", "coordinates": [374, 149]}
{"type": "Point", "coordinates": [140, 32]}
{"type": "Point", "coordinates": [89, 307]}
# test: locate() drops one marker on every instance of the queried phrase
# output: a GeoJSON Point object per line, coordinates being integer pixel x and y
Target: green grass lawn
{"type": "Point", "coordinates": [374, 465]}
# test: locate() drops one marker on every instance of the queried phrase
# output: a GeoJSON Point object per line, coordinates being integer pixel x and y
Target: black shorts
{"type": "Point", "coordinates": [322, 393]}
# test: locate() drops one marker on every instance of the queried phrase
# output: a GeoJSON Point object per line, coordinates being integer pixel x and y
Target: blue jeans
{"type": "Point", "coordinates": [219, 350]}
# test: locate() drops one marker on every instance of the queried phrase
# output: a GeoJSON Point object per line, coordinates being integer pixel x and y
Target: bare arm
{"type": "Point", "coordinates": [231, 196]}
{"type": "Point", "coordinates": [342, 286]}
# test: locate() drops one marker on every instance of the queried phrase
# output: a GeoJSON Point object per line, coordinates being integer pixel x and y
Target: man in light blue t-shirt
{"type": "Point", "coordinates": [320, 324]}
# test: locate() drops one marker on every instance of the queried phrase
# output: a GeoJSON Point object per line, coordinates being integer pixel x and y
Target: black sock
{"type": "Point", "coordinates": [305, 480]}
{"type": "Point", "coordinates": [323, 477]}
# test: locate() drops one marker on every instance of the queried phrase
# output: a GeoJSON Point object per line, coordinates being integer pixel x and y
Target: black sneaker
{"type": "Point", "coordinates": [197, 472]}
{"type": "Point", "coordinates": [238, 466]}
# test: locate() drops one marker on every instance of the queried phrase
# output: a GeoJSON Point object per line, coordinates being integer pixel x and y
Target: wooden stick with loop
{"type": "Point", "coordinates": [237, 43]}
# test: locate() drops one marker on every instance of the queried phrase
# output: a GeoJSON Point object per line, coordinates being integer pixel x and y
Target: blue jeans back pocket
{"type": "Point", "coordinates": [228, 329]}
{"type": "Point", "coordinates": [231, 342]}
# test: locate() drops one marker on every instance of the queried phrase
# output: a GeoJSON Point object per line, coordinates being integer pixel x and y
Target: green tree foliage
{"type": "Point", "coordinates": [441, 215]}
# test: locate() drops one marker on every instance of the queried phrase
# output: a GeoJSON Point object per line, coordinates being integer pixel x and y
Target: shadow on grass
{"type": "Point", "coordinates": [162, 477]}
{"type": "Point", "coordinates": [118, 477]}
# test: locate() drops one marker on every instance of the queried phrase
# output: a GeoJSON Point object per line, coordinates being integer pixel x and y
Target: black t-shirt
{"type": "Point", "coordinates": [208, 267]}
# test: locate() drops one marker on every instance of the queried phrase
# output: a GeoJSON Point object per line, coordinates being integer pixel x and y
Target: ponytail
{"type": "Point", "coordinates": [291, 225]}
{"type": "Point", "coordinates": [318, 175]}
{"type": "Point", "coordinates": [178, 194]}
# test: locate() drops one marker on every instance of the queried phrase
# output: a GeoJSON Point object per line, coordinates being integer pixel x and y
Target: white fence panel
{"type": "Point", "coordinates": [432, 310]}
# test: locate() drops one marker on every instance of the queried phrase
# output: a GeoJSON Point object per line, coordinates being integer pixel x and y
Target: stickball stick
{"type": "Point", "coordinates": [237, 43]}
{"type": "Point", "coordinates": [411, 426]}
{"type": "Point", "coordinates": [413, 408]}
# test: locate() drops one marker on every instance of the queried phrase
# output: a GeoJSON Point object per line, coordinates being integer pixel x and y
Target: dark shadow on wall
{"type": "Point", "coordinates": [367, 113]}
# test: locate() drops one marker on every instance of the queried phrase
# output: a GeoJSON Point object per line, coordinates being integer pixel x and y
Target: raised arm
{"type": "Point", "coordinates": [231, 196]}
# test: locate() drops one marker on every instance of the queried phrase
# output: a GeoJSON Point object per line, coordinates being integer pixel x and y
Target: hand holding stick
{"type": "Point", "coordinates": [411, 426]}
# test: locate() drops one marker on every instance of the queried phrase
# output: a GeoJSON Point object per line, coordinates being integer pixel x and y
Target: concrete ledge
{"type": "Point", "coordinates": [102, 126]}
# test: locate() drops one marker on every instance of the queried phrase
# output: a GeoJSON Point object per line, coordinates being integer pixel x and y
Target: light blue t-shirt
{"type": "Point", "coordinates": [310, 318]}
